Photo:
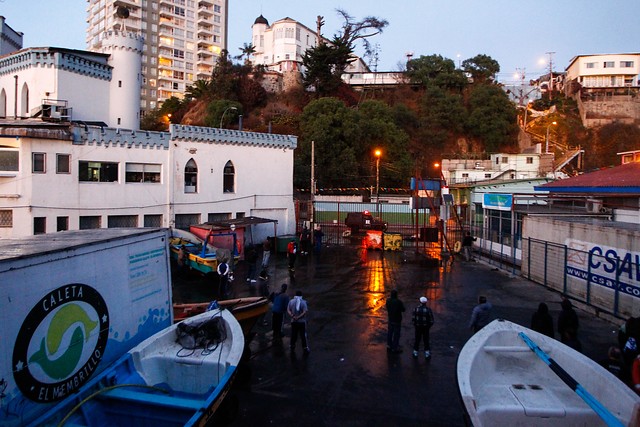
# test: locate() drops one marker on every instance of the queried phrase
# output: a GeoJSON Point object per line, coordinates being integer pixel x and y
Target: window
{"type": "Point", "coordinates": [505, 160]}
{"type": "Point", "coordinates": [228, 185]}
{"type": "Point", "coordinates": [39, 162]}
{"type": "Point", "coordinates": [62, 223]}
{"type": "Point", "coordinates": [191, 177]}
{"type": "Point", "coordinates": [465, 175]}
{"type": "Point", "coordinates": [9, 159]}
{"type": "Point", "coordinates": [39, 225]}
{"type": "Point", "coordinates": [219, 216]}
{"type": "Point", "coordinates": [487, 175]}
{"type": "Point", "coordinates": [185, 220]}
{"type": "Point", "coordinates": [153, 221]}
{"type": "Point", "coordinates": [591, 65]}
{"type": "Point", "coordinates": [122, 221]}
{"type": "Point", "coordinates": [529, 160]}
{"type": "Point", "coordinates": [97, 171]}
{"type": "Point", "coordinates": [609, 64]}
{"type": "Point", "coordinates": [63, 163]}
{"type": "Point", "coordinates": [626, 64]}
{"type": "Point", "coordinates": [6, 218]}
{"type": "Point", "coordinates": [142, 172]}
{"type": "Point", "coordinates": [90, 222]}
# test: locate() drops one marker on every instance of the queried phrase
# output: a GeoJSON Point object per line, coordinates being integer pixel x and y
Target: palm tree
{"type": "Point", "coordinates": [247, 50]}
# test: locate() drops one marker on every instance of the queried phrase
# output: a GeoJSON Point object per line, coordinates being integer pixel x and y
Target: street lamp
{"type": "Point", "coordinates": [377, 153]}
{"type": "Point", "coordinates": [546, 149]}
{"type": "Point", "coordinates": [225, 112]}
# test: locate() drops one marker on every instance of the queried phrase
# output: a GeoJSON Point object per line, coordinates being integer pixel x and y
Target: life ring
{"type": "Point", "coordinates": [457, 246]}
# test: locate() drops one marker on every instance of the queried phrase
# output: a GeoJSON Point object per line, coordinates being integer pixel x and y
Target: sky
{"type": "Point", "coordinates": [524, 37]}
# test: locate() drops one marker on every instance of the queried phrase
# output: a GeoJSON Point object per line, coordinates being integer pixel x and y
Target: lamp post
{"type": "Point", "coordinates": [377, 153]}
{"type": "Point", "coordinates": [546, 148]}
{"type": "Point", "coordinates": [225, 112]}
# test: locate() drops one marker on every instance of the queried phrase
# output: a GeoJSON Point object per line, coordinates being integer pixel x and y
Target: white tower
{"type": "Point", "coordinates": [125, 49]}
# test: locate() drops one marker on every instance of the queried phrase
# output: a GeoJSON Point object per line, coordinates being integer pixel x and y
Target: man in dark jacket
{"type": "Point", "coordinates": [278, 309]}
{"type": "Point", "coordinates": [567, 321]}
{"type": "Point", "coordinates": [541, 321]}
{"type": "Point", "coordinates": [481, 314]}
{"type": "Point", "coordinates": [395, 308]}
{"type": "Point", "coordinates": [422, 320]}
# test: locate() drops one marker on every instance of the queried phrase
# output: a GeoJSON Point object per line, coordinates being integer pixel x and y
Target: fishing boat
{"type": "Point", "coordinates": [200, 257]}
{"type": "Point", "coordinates": [246, 310]}
{"type": "Point", "coordinates": [177, 377]}
{"type": "Point", "coordinates": [511, 375]}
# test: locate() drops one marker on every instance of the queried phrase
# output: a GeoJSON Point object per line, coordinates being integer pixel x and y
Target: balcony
{"type": "Point", "coordinates": [203, 3]}
{"type": "Point", "coordinates": [205, 30]}
{"type": "Point", "coordinates": [204, 12]}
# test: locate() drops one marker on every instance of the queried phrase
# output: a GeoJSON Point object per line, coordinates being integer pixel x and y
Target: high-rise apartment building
{"type": "Point", "coordinates": [182, 40]}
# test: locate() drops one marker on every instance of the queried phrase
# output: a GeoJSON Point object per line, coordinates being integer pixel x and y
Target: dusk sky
{"type": "Point", "coordinates": [517, 34]}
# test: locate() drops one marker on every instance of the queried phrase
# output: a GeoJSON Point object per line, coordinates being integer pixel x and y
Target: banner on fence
{"type": "Point", "coordinates": [604, 265]}
{"type": "Point", "coordinates": [500, 202]}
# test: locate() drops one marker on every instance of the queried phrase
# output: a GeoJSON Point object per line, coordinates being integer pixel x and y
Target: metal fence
{"type": "Point", "coordinates": [602, 280]}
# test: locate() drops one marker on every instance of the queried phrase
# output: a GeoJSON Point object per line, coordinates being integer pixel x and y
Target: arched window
{"type": "Point", "coordinates": [24, 101]}
{"type": "Point", "coordinates": [229, 178]}
{"type": "Point", "coordinates": [191, 177]}
{"type": "Point", "coordinates": [3, 103]}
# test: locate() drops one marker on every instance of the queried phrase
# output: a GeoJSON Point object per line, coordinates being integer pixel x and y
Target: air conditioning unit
{"type": "Point", "coordinates": [594, 205]}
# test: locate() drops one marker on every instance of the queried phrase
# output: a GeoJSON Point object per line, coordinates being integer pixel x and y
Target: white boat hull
{"type": "Point", "coordinates": [503, 382]}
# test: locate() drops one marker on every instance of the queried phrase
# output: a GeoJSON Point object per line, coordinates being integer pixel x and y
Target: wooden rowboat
{"type": "Point", "coordinates": [246, 310]}
{"type": "Point", "coordinates": [510, 375]}
{"type": "Point", "coordinates": [170, 379]}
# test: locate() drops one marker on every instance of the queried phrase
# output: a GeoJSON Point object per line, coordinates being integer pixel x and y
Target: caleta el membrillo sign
{"type": "Point", "coordinates": [60, 343]}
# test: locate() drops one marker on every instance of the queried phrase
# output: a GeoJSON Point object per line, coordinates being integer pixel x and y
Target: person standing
{"type": "Point", "coordinates": [422, 319]}
{"type": "Point", "coordinates": [183, 260]}
{"type": "Point", "coordinates": [305, 241]}
{"type": "Point", "coordinates": [266, 253]}
{"type": "Point", "coordinates": [292, 252]}
{"type": "Point", "coordinates": [567, 322]}
{"type": "Point", "coordinates": [223, 278]}
{"type": "Point", "coordinates": [467, 243]}
{"type": "Point", "coordinates": [297, 310]}
{"type": "Point", "coordinates": [251, 256]}
{"type": "Point", "coordinates": [317, 238]}
{"type": "Point", "coordinates": [542, 322]}
{"type": "Point", "coordinates": [278, 309]}
{"type": "Point", "coordinates": [481, 314]}
{"type": "Point", "coordinates": [395, 308]}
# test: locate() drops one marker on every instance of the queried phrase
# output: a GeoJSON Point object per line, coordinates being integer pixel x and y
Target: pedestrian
{"type": "Point", "coordinates": [422, 319]}
{"type": "Point", "coordinates": [278, 309]}
{"type": "Point", "coordinates": [297, 310]}
{"type": "Point", "coordinates": [317, 237]}
{"type": "Point", "coordinates": [305, 241]}
{"type": "Point", "coordinates": [266, 252]}
{"type": "Point", "coordinates": [481, 314]}
{"type": "Point", "coordinates": [395, 308]}
{"type": "Point", "coordinates": [223, 278]}
{"type": "Point", "coordinates": [613, 362]}
{"type": "Point", "coordinates": [541, 321]}
{"type": "Point", "coordinates": [251, 256]}
{"type": "Point", "coordinates": [467, 243]}
{"type": "Point", "coordinates": [183, 260]}
{"type": "Point", "coordinates": [567, 321]}
{"type": "Point", "coordinates": [292, 252]}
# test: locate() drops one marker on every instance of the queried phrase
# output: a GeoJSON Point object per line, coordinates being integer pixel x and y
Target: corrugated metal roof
{"type": "Point", "coordinates": [619, 179]}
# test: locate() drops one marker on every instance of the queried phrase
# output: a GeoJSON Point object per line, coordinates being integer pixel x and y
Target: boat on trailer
{"type": "Point", "coordinates": [510, 375]}
{"type": "Point", "coordinates": [177, 377]}
{"type": "Point", "coordinates": [247, 310]}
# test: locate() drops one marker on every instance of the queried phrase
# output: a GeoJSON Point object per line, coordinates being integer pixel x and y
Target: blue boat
{"type": "Point", "coordinates": [177, 377]}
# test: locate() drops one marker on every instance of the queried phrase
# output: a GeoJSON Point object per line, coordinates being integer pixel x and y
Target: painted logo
{"type": "Point", "coordinates": [60, 343]}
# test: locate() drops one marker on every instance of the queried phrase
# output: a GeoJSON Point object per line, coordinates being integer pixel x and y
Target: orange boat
{"type": "Point", "coordinates": [246, 310]}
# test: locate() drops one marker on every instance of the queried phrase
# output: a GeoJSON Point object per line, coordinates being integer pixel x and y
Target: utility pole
{"type": "Point", "coordinates": [550, 72]}
{"type": "Point", "coordinates": [313, 185]}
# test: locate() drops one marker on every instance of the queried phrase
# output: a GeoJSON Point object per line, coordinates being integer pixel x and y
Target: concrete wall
{"type": "Point", "coordinates": [594, 261]}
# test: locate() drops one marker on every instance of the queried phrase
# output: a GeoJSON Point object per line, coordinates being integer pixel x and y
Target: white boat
{"type": "Point", "coordinates": [163, 381]}
{"type": "Point", "coordinates": [509, 375]}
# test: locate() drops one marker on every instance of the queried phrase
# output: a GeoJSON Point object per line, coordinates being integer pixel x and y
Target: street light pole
{"type": "Point", "coordinates": [546, 148]}
{"type": "Point", "coordinates": [225, 112]}
{"type": "Point", "coordinates": [378, 153]}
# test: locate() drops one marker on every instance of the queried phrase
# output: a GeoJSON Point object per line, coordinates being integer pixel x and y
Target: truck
{"type": "Point", "coordinates": [71, 304]}
{"type": "Point", "coordinates": [364, 220]}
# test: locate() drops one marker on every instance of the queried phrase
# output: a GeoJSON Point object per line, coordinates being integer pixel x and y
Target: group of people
{"type": "Point", "coordinates": [422, 319]}
{"type": "Point", "coordinates": [296, 308]}
{"type": "Point", "coordinates": [568, 323]}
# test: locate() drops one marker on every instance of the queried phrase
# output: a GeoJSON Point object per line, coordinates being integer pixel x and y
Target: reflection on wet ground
{"type": "Point", "coordinates": [349, 378]}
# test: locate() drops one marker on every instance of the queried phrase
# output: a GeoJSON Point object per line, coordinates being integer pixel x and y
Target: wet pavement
{"type": "Point", "coordinates": [349, 379]}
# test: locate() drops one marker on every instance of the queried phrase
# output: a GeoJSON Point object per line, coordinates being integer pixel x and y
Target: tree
{"type": "Point", "coordinates": [481, 68]}
{"type": "Point", "coordinates": [492, 117]}
{"type": "Point", "coordinates": [216, 110]}
{"type": "Point", "coordinates": [325, 63]}
{"type": "Point", "coordinates": [247, 50]}
{"type": "Point", "coordinates": [435, 70]}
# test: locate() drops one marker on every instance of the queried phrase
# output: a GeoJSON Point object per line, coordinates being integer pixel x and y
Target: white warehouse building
{"type": "Point", "coordinates": [71, 156]}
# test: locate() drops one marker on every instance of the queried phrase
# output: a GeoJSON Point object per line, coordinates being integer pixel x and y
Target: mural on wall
{"type": "Point", "coordinates": [604, 265]}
